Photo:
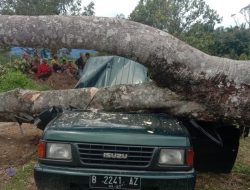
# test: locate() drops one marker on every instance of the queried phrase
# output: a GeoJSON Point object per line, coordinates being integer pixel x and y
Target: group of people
{"type": "Point", "coordinates": [43, 68]}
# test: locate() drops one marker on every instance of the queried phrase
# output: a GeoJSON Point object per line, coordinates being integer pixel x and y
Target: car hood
{"type": "Point", "coordinates": [118, 128]}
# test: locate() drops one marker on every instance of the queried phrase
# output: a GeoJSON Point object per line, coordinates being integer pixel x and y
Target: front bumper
{"type": "Point", "coordinates": [56, 177]}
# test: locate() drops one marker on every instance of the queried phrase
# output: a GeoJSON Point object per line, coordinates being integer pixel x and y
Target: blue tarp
{"type": "Point", "coordinates": [74, 53]}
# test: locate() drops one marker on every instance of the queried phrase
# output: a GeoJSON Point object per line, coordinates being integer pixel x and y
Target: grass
{"type": "Point", "coordinates": [21, 180]}
{"type": "Point", "coordinates": [11, 78]}
{"type": "Point", "coordinates": [15, 79]}
{"type": "Point", "coordinates": [4, 57]}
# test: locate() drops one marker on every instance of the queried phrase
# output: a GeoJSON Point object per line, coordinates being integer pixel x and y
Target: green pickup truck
{"type": "Point", "coordinates": [127, 151]}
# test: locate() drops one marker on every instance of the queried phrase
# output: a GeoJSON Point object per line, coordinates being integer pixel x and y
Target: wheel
{"type": "Point", "coordinates": [209, 155]}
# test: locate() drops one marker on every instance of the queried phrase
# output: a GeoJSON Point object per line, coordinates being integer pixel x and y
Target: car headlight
{"type": "Point", "coordinates": [171, 157]}
{"type": "Point", "coordinates": [58, 151]}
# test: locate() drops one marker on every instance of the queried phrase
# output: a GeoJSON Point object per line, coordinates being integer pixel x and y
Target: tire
{"type": "Point", "coordinates": [209, 156]}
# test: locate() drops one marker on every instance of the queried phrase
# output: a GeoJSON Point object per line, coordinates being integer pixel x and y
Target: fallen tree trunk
{"type": "Point", "coordinates": [220, 85]}
{"type": "Point", "coordinates": [126, 98]}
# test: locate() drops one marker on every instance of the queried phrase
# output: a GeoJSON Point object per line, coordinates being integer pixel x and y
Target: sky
{"type": "Point", "coordinates": [225, 8]}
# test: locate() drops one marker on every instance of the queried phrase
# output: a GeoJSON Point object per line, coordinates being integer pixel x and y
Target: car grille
{"type": "Point", "coordinates": [136, 156]}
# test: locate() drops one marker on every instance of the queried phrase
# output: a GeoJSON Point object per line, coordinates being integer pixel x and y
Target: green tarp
{"type": "Point", "coordinates": [111, 70]}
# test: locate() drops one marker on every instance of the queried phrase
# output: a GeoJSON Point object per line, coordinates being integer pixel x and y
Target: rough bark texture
{"type": "Point", "coordinates": [144, 97]}
{"type": "Point", "coordinates": [219, 84]}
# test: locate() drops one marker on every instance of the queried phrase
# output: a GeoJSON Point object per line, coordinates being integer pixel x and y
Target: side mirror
{"type": "Point", "coordinates": [42, 120]}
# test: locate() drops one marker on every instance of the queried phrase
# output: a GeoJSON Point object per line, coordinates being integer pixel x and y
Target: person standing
{"type": "Point", "coordinates": [87, 56]}
{"type": "Point", "coordinates": [80, 63]}
{"type": "Point", "coordinates": [55, 64]}
{"type": "Point", "coordinates": [35, 63]}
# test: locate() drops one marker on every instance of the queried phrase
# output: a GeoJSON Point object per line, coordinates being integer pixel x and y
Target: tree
{"type": "Point", "coordinates": [189, 81]}
{"type": "Point", "coordinates": [231, 42]}
{"type": "Point", "coordinates": [89, 10]}
{"type": "Point", "coordinates": [200, 36]}
{"type": "Point", "coordinates": [44, 7]}
{"type": "Point", "coordinates": [121, 16]}
{"type": "Point", "coordinates": [245, 11]}
{"type": "Point", "coordinates": [174, 16]}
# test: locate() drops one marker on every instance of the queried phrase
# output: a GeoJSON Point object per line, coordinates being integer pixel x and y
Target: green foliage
{"type": "Point", "coordinates": [89, 10]}
{"type": "Point", "coordinates": [193, 21]}
{"type": "Point", "coordinates": [18, 64]}
{"type": "Point", "coordinates": [3, 70]}
{"type": "Point", "coordinates": [200, 36]}
{"type": "Point", "coordinates": [233, 42]}
{"type": "Point", "coordinates": [242, 168]}
{"type": "Point", "coordinates": [243, 56]}
{"type": "Point", "coordinates": [174, 16]}
{"type": "Point", "coordinates": [3, 60]}
{"type": "Point", "coordinates": [44, 7]}
{"type": "Point", "coordinates": [242, 163]}
{"type": "Point", "coordinates": [8, 62]}
{"type": "Point", "coordinates": [4, 57]}
{"type": "Point", "coordinates": [12, 79]}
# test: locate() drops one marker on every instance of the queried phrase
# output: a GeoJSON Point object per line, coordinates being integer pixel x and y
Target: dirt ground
{"type": "Point", "coordinates": [19, 150]}
{"type": "Point", "coordinates": [59, 81]}
{"type": "Point", "coordinates": [16, 148]}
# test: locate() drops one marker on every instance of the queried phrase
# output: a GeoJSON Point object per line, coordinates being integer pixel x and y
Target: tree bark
{"type": "Point", "coordinates": [222, 86]}
{"type": "Point", "coordinates": [124, 97]}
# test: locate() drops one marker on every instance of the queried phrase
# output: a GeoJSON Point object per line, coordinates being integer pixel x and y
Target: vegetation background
{"type": "Point", "coordinates": [192, 21]}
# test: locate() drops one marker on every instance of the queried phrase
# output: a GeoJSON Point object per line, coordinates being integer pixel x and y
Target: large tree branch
{"type": "Point", "coordinates": [221, 84]}
{"type": "Point", "coordinates": [125, 97]}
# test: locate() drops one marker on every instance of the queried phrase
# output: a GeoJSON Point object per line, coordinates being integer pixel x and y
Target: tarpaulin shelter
{"type": "Point", "coordinates": [111, 70]}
